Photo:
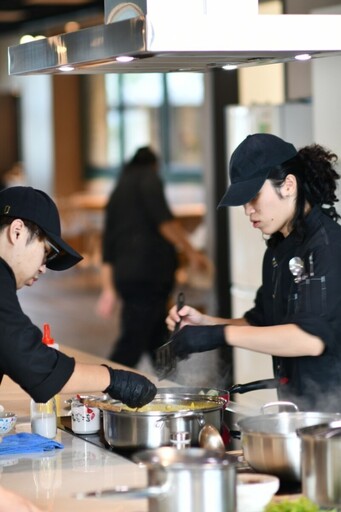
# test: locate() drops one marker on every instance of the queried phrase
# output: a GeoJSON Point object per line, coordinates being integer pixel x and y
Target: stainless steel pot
{"type": "Point", "coordinates": [189, 480]}
{"type": "Point", "coordinates": [321, 463]}
{"type": "Point", "coordinates": [270, 442]}
{"type": "Point", "coordinates": [134, 429]}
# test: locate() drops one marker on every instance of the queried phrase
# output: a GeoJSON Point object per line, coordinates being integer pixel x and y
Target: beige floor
{"type": "Point", "coordinates": [66, 300]}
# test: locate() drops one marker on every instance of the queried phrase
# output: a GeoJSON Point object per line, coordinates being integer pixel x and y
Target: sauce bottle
{"type": "Point", "coordinates": [47, 339]}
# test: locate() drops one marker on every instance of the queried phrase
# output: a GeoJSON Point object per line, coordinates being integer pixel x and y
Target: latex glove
{"type": "Point", "coordinates": [132, 389]}
{"type": "Point", "coordinates": [197, 338]}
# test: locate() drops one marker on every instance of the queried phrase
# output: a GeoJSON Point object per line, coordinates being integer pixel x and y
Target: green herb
{"type": "Point", "coordinates": [299, 505]}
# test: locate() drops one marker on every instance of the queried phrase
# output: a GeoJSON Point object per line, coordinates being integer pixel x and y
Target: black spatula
{"type": "Point", "coordinates": [166, 360]}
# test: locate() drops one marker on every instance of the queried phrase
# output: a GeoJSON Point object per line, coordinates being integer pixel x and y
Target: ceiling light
{"type": "Point", "coordinates": [230, 67]}
{"type": "Point", "coordinates": [66, 68]}
{"type": "Point", "coordinates": [303, 56]}
{"type": "Point", "coordinates": [124, 58]}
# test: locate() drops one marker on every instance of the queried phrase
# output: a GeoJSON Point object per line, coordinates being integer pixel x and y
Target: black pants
{"type": "Point", "coordinates": [143, 328]}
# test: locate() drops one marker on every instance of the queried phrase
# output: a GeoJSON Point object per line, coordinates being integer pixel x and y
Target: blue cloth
{"type": "Point", "coordinates": [27, 443]}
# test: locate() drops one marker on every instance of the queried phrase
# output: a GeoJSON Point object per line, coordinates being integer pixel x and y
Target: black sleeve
{"type": "Point", "coordinates": [40, 370]}
{"type": "Point", "coordinates": [255, 315]}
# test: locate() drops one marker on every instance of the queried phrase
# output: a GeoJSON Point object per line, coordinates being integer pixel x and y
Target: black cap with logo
{"type": "Point", "coordinates": [251, 163]}
{"type": "Point", "coordinates": [34, 205]}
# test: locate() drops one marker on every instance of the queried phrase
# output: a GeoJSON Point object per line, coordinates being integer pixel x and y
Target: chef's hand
{"type": "Point", "coordinates": [195, 338]}
{"type": "Point", "coordinates": [12, 502]}
{"type": "Point", "coordinates": [132, 389]}
{"type": "Point", "coordinates": [186, 316]}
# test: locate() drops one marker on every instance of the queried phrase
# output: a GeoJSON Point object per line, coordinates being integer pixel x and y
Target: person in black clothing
{"type": "Point", "coordinates": [30, 242]}
{"type": "Point", "coordinates": [289, 196]}
{"type": "Point", "coordinates": [140, 243]}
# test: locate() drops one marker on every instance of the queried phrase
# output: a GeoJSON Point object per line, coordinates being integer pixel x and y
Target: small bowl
{"type": "Point", "coordinates": [7, 422]}
{"type": "Point", "coordinates": [255, 491]}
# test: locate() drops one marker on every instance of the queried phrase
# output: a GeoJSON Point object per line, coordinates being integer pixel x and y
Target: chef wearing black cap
{"type": "Point", "coordinates": [30, 242]}
{"type": "Point", "coordinates": [289, 196]}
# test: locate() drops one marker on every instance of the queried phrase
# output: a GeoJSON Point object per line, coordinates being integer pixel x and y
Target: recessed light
{"type": "Point", "coordinates": [303, 56]}
{"type": "Point", "coordinates": [124, 58]}
{"type": "Point", "coordinates": [66, 68]}
{"type": "Point", "coordinates": [230, 67]}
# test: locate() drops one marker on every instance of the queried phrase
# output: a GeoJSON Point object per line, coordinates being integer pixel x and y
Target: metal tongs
{"type": "Point", "coordinates": [166, 359]}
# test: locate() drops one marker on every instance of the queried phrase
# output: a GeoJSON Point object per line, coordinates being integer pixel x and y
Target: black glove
{"type": "Point", "coordinates": [130, 388]}
{"type": "Point", "coordinates": [197, 338]}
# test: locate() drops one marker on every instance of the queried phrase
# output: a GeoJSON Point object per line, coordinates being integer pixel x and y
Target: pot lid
{"type": "Point", "coordinates": [188, 457]}
{"type": "Point", "coordinates": [322, 431]}
{"type": "Point", "coordinates": [172, 35]}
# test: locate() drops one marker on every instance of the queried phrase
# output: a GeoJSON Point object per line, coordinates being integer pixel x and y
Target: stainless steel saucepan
{"type": "Point", "coordinates": [153, 425]}
{"type": "Point", "coordinates": [189, 480]}
{"type": "Point", "coordinates": [271, 444]}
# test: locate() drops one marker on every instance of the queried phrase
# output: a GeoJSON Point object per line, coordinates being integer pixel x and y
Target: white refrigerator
{"type": "Point", "coordinates": [292, 122]}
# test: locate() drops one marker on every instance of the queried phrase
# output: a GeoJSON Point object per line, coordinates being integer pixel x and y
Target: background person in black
{"type": "Point", "coordinates": [30, 242]}
{"type": "Point", "coordinates": [140, 243]}
{"type": "Point", "coordinates": [288, 195]}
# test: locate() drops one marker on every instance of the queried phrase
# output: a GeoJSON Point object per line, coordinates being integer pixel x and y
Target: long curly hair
{"type": "Point", "coordinates": [314, 169]}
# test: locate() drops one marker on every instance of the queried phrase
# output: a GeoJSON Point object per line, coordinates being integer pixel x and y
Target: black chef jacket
{"type": "Point", "coordinates": [314, 304]}
{"type": "Point", "coordinates": [40, 370]}
{"type": "Point", "coordinates": [132, 242]}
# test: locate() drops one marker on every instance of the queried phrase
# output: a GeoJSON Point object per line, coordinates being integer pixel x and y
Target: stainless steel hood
{"type": "Point", "coordinates": [179, 35]}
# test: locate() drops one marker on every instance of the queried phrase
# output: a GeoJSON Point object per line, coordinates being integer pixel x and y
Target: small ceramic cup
{"type": "Point", "coordinates": [84, 419]}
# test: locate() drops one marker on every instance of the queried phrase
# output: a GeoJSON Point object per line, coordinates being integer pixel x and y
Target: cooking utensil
{"type": "Point", "coordinates": [152, 428]}
{"type": "Point", "coordinates": [166, 359]}
{"type": "Point", "coordinates": [104, 405]}
{"type": "Point", "coordinates": [321, 463]}
{"type": "Point", "coordinates": [210, 438]}
{"type": "Point", "coordinates": [256, 385]}
{"type": "Point", "coordinates": [191, 480]}
{"type": "Point", "coordinates": [270, 442]}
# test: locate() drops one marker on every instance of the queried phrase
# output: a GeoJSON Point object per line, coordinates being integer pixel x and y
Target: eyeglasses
{"type": "Point", "coordinates": [51, 252]}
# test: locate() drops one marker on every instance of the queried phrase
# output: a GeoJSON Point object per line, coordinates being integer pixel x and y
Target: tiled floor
{"type": "Point", "coordinates": [66, 300]}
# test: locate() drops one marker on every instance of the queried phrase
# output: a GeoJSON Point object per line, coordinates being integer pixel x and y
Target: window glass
{"type": "Point", "coordinates": [141, 128]}
{"type": "Point", "coordinates": [185, 138]}
{"type": "Point", "coordinates": [112, 90]}
{"type": "Point", "coordinates": [142, 89]}
{"type": "Point", "coordinates": [161, 110]}
{"type": "Point", "coordinates": [186, 95]}
{"type": "Point", "coordinates": [113, 138]}
{"type": "Point", "coordinates": [185, 88]}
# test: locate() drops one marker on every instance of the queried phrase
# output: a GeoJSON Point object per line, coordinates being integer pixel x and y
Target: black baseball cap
{"type": "Point", "coordinates": [34, 205]}
{"type": "Point", "coordinates": [251, 163]}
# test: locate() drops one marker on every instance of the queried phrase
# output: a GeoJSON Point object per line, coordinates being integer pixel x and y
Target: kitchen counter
{"type": "Point", "coordinates": [52, 479]}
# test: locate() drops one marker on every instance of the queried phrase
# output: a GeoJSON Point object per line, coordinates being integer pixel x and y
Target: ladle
{"type": "Point", "coordinates": [210, 438]}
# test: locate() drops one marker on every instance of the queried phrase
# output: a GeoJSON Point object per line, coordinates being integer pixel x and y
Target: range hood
{"type": "Point", "coordinates": [179, 35]}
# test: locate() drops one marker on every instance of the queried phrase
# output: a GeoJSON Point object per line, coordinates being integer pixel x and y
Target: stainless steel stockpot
{"type": "Point", "coordinates": [321, 463]}
{"type": "Point", "coordinates": [139, 429]}
{"type": "Point", "coordinates": [189, 480]}
{"type": "Point", "coordinates": [271, 444]}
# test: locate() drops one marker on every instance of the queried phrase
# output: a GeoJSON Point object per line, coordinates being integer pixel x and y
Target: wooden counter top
{"type": "Point", "coordinates": [52, 479]}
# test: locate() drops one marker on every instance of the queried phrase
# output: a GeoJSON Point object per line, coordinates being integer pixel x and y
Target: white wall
{"type": "Point", "coordinates": [326, 87]}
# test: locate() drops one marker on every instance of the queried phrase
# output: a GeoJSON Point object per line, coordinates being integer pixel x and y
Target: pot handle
{"type": "Point", "coordinates": [123, 492]}
{"type": "Point", "coordinates": [279, 403]}
{"type": "Point", "coordinates": [254, 386]}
